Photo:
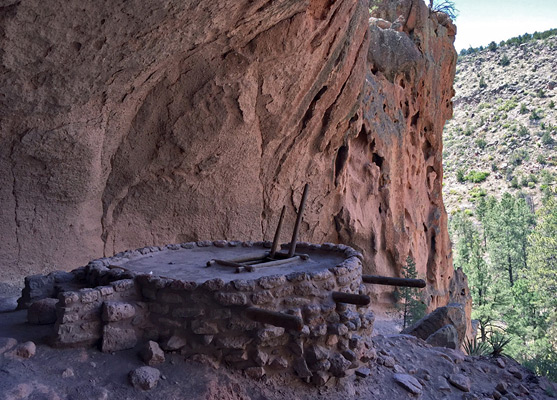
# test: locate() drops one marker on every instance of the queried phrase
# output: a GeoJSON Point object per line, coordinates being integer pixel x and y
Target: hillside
{"type": "Point", "coordinates": [503, 134]}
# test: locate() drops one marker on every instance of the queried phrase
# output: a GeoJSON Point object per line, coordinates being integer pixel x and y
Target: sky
{"type": "Point", "coordinates": [481, 21]}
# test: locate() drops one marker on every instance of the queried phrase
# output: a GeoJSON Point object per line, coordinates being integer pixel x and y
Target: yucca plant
{"type": "Point", "coordinates": [475, 348]}
{"type": "Point", "coordinates": [498, 341]}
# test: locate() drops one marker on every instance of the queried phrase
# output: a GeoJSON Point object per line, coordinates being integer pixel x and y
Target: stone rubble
{"type": "Point", "coordinates": [144, 378]}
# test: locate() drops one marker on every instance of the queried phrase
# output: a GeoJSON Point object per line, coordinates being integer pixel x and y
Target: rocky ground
{"type": "Point", "coordinates": [504, 124]}
{"type": "Point", "coordinates": [405, 367]}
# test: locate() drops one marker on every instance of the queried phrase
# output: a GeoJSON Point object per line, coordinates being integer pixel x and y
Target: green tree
{"type": "Point", "coordinates": [542, 282]}
{"type": "Point", "coordinates": [508, 223]}
{"type": "Point", "coordinates": [408, 298]}
{"type": "Point", "coordinates": [470, 254]}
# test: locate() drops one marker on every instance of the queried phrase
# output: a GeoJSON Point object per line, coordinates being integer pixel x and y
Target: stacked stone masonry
{"type": "Point", "coordinates": [118, 309]}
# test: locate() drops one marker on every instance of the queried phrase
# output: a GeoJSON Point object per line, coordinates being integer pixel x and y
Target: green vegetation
{"type": "Point", "coordinates": [477, 192]}
{"type": "Point", "coordinates": [515, 41]}
{"type": "Point", "coordinates": [482, 83]}
{"type": "Point", "coordinates": [504, 61]}
{"type": "Point", "coordinates": [518, 156]}
{"type": "Point", "coordinates": [446, 6]}
{"type": "Point", "coordinates": [476, 176]}
{"type": "Point", "coordinates": [510, 258]}
{"type": "Point", "coordinates": [475, 348]}
{"type": "Point", "coordinates": [536, 114]}
{"type": "Point", "coordinates": [523, 131]}
{"type": "Point", "coordinates": [408, 299]}
{"type": "Point", "coordinates": [509, 105]}
{"type": "Point", "coordinates": [481, 143]}
{"type": "Point", "coordinates": [460, 175]}
{"type": "Point", "coordinates": [551, 105]}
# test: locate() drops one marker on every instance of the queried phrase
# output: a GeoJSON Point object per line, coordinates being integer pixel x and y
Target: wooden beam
{"type": "Point", "coordinates": [351, 298]}
{"type": "Point", "coordinates": [275, 318]}
{"type": "Point", "coordinates": [386, 280]}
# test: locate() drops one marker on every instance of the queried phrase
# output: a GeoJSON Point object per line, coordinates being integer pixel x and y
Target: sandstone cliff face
{"type": "Point", "coordinates": [134, 123]}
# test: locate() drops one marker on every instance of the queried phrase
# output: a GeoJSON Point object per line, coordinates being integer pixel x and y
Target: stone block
{"type": "Point", "coordinates": [152, 354]}
{"type": "Point", "coordinates": [174, 343]}
{"type": "Point", "coordinates": [117, 311]}
{"type": "Point", "coordinates": [42, 312]}
{"type": "Point", "coordinates": [200, 327]}
{"type": "Point", "coordinates": [238, 342]}
{"type": "Point", "coordinates": [339, 365]}
{"type": "Point", "coordinates": [231, 299]}
{"type": "Point", "coordinates": [243, 285]}
{"type": "Point", "coordinates": [236, 356]}
{"type": "Point", "coordinates": [68, 298]}
{"type": "Point", "coordinates": [116, 339]}
{"type": "Point", "coordinates": [270, 333]}
{"type": "Point", "coordinates": [170, 297]}
{"type": "Point", "coordinates": [123, 285]}
{"type": "Point", "coordinates": [272, 281]}
{"type": "Point", "coordinates": [262, 297]}
{"type": "Point", "coordinates": [307, 289]}
{"type": "Point", "coordinates": [188, 312]}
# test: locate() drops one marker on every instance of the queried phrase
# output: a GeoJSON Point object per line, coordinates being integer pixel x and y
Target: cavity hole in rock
{"type": "Point", "coordinates": [340, 161]}
{"type": "Point", "coordinates": [377, 159]}
{"type": "Point", "coordinates": [309, 113]}
{"type": "Point", "coordinates": [414, 120]}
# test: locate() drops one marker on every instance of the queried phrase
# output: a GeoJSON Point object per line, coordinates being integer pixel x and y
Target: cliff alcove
{"type": "Point", "coordinates": [162, 126]}
{"type": "Point", "coordinates": [131, 124]}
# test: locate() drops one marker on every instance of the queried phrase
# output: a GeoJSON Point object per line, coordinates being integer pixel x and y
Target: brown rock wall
{"type": "Point", "coordinates": [128, 124]}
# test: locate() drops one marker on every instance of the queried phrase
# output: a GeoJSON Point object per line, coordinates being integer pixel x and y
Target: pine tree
{"type": "Point", "coordinates": [408, 298]}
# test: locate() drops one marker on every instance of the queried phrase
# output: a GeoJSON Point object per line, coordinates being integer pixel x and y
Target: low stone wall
{"type": "Point", "coordinates": [120, 309]}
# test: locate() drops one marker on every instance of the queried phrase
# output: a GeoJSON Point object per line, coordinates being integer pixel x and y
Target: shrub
{"type": "Point", "coordinates": [482, 83]}
{"type": "Point", "coordinates": [492, 46]}
{"type": "Point", "coordinates": [541, 159]}
{"type": "Point", "coordinates": [551, 105]}
{"type": "Point", "coordinates": [514, 182]}
{"type": "Point", "coordinates": [477, 176]}
{"type": "Point", "coordinates": [523, 108]}
{"type": "Point", "coordinates": [523, 131]}
{"type": "Point", "coordinates": [536, 115]}
{"type": "Point", "coordinates": [509, 105]}
{"type": "Point", "coordinates": [460, 173]}
{"type": "Point", "coordinates": [475, 348]}
{"type": "Point", "coordinates": [477, 192]}
{"type": "Point", "coordinates": [518, 156]}
{"type": "Point", "coordinates": [540, 93]}
{"type": "Point", "coordinates": [498, 341]}
{"type": "Point", "coordinates": [504, 61]}
{"type": "Point", "coordinates": [547, 140]}
{"type": "Point", "coordinates": [481, 143]}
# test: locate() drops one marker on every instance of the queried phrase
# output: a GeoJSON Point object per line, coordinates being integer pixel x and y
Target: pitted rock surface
{"type": "Point", "coordinates": [165, 123]}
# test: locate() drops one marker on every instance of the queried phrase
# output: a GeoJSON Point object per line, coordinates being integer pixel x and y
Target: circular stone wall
{"type": "Point", "coordinates": [170, 295]}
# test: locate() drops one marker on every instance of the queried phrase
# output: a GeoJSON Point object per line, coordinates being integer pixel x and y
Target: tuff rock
{"type": "Point", "coordinates": [136, 124]}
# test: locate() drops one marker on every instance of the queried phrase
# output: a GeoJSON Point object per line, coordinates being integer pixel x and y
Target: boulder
{"type": "Point", "coordinates": [452, 314]}
{"type": "Point", "coordinates": [447, 336]}
{"type": "Point", "coordinates": [144, 378]}
{"type": "Point", "coordinates": [408, 382]}
{"type": "Point", "coordinates": [26, 350]}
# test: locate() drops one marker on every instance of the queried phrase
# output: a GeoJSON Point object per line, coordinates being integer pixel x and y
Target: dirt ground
{"type": "Point", "coordinates": [56, 374]}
